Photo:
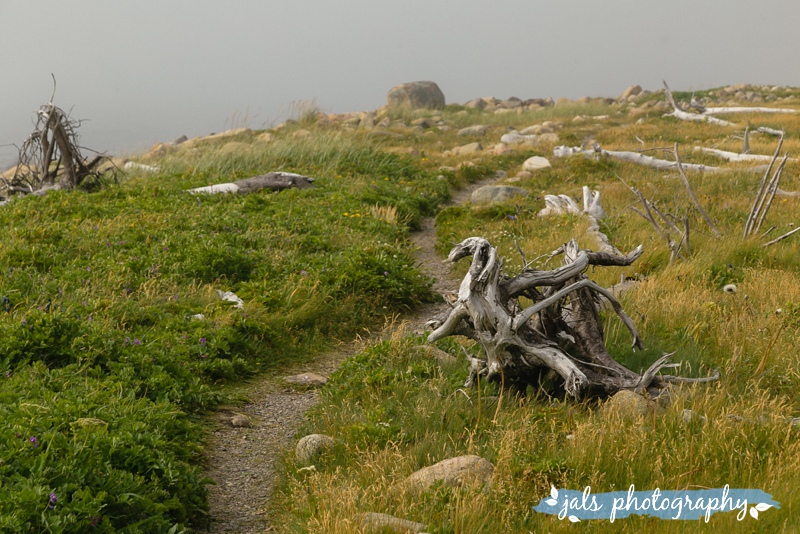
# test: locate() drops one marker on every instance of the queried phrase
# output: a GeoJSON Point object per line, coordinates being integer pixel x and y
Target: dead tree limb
{"type": "Point", "coordinates": [781, 238]}
{"type": "Point", "coordinates": [760, 197]}
{"type": "Point", "coordinates": [679, 113]}
{"type": "Point", "coordinates": [633, 157]}
{"type": "Point", "coordinates": [556, 344]}
{"type": "Point", "coordinates": [692, 195]}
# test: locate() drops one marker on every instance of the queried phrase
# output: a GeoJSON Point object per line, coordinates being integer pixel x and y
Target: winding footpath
{"type": "Point", "coordinates": [243, 460]}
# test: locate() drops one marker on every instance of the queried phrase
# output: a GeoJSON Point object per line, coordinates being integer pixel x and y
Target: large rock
{"type": "Point", "coordinates": [535, 163]}
{"type": "Point", "coordinates": [310, 447]}
{"type": "Point", "coordinates": [416, 95]}
{"type": "Point", "coordinates": [469, 469]}
{"type": "Point", "coordinates": [495, 194]}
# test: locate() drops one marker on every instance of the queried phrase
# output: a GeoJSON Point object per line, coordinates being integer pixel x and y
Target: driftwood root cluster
{"type": "Point", "coordinates": [556, 344]}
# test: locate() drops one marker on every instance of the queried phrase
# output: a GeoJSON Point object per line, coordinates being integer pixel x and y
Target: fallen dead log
{"type": "Point", "coordinates": [633, 157]}
{"type": "Point", "coordinates": [272, 181]}
{"type": "Point", "coordinates": [743, 109]}
{"type": "Point", "coordinates": [555, 345]}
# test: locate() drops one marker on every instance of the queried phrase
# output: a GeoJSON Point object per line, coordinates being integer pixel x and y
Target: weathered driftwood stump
{"type": "Point", "coordinates": [555, 344]}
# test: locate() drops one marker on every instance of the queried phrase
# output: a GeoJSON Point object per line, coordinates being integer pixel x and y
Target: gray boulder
{"type": "Point", "coordinates": [416, 95]}
{"type": "Point", "coordinates": [495, 194]}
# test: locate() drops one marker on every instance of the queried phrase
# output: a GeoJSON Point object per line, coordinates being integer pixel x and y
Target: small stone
{"type": "Point", "coordinates": [515, 138]}
{"type": "Point", "coordinates": [535, 163]}
{"type": "Point", "coordinates": [549, 138]}
{"type": "Point", "coordinates": [373, 520]}
{"type": "Point", "coordinates": [501, 149]}
{"type": "Point", "coordinates": [470, 148]}
{"type": "Point", "coordinates": [453, 472]}
{"type": "Point", "coordinates": [495, 194]}
{"type": "Point", "coordinates": [477, 103]}
{"type": "Point", "coordinates": [633, 90]}
{"type": "Point", "coordinates": [306, 379]}
{"type": "Point", "coordinates": [626, 405]}
{"type": "Point", "coordinates": [376, 521]}
{"type": "Point", "coordinates": [440, 355]}
{"type": "Point", "coordinates": [477, 130]}
{"type": "Point", "coordinates": [241, 421]}
{"type": "Point", "coordinates": [310, 447]}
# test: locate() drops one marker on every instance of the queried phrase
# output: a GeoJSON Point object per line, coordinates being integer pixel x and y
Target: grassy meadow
{"type": "Point", "coordinates": [114, 341]}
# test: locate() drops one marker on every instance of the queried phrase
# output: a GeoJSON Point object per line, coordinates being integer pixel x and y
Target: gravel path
{"type": "Point", "coordinates": [243, 459]}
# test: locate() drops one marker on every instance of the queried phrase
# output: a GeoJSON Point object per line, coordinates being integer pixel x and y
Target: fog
{"type": "Point", "coordinates": [147, 71]}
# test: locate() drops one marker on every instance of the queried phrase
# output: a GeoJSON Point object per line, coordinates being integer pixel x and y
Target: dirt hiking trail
{"type": "Point", "coordinates": [243, 460]}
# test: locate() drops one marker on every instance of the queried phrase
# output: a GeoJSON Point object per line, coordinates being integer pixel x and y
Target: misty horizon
{"type": "Point", "coordinates": [138, 74]}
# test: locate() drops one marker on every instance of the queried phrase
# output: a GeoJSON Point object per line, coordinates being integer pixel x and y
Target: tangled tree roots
{"type": "Point", "coordinates": [51, 159]}
{"type": "Point", "coordinates": [555, 344]}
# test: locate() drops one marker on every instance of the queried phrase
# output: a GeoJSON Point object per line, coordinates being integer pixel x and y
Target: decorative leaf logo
{"type": "Point", "coordinates": [553, 500]}
{"type": "Point", "coordinates": [754, 513]}
{"type": "Point", "coordinates": [574, 519]}
{"type": "Point", "coordinates": [762, 506]}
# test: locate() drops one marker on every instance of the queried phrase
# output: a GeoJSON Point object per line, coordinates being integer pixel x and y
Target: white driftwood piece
{"type": "Point", "coordinates": [678, 113]}
{"type": "Point", "coordinates": [723, 110]}
{"type": "Point", "coordinates": [592, 210]}
{"type": "Point", "coordinates": [735, 157]}
{"type": "Point", "coordinates": [697, 117]}
{"type": "Point", "coordinates": [634, 157]}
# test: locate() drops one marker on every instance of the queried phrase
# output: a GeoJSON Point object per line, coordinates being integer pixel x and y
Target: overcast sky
{"type": "Point", "coordinates": [145, 71]}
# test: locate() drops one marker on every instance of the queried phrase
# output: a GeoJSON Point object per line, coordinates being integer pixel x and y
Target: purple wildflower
{"type": "Point", "coordinates": [34, 441]}
{"type": "Point", "coordinates": [8, 374]}
{"type": "Point", "coordinates": [53, 500]}
{"type": "Point", "coordinates": [95, 520]}
{"type": "Point", "coordinates": [385, 273]}
{"type": "Point", "coordinates": [137, 341]}
{"type": "Point", "coordinates": [303, 272]}
{"type": "Point", "coordinates": [203, 341]}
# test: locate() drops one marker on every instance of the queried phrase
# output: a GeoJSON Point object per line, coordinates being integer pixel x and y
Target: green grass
{"type": "Point", "coordinates": [100, 293]}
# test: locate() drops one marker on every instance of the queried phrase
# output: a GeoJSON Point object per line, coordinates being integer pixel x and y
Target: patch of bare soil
{"type": "Point", "coordinates": [243, 452]}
